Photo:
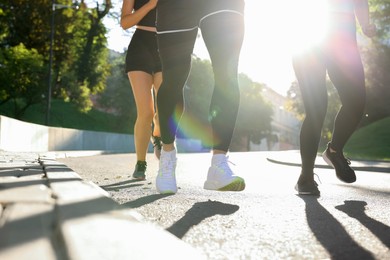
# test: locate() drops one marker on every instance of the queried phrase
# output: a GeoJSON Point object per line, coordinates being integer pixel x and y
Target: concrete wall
{"type": "Point", "coordinates": [17, 135]}
{"type": "Point", "coordinates": [21, 136]}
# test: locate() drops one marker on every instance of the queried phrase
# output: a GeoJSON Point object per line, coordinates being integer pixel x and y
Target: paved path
{"type": "Point", "coordinates": [48, 212]}
{"type": "Point", "coordinates": [268, 220]}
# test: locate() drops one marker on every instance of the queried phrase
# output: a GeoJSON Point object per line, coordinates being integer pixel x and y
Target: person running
{"type": "Point", "coordinates": [143, 68]}
{"type": "Point", "coordinates": [222, 25]}
{"type": "Point", "coordinates": [338, 56]}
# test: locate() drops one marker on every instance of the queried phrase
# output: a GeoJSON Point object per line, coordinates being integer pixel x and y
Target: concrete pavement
{"type": "Point", "coordinates": [49, 212]}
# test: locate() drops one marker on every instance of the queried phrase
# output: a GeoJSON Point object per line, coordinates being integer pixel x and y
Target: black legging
{"type": "Point", "coordinates": [223, 35]}
{"type": "Point", "coordinates": [339, 56]}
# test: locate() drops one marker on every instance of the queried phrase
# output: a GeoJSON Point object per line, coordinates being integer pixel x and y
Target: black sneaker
{"type": "Point", "coordinates": [156, 141]}
{"type": "Point", "coordinates": [139, 172]}
{"type": "Point", "coordinates": [307, 188]}
{"type": "Point", "coordinates": [341, 164]}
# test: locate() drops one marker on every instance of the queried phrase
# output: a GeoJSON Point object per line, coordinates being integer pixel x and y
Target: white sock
{"type": "Point", "coordinates": [217, 159]}
{"type": "Point", "coordinates": [170, 154]}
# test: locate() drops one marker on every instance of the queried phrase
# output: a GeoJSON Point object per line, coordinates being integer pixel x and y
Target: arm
{"type": "Point", "coordinates": [363, 16]}
{"type": "Point", "coordinates": [129, 18]}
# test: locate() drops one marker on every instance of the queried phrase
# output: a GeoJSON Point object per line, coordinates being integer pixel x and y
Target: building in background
{"type": "Point", "coordinates": [285, 125]}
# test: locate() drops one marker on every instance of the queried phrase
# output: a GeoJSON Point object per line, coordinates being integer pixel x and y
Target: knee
{"type": "Point", "coordinates": [145, 115]}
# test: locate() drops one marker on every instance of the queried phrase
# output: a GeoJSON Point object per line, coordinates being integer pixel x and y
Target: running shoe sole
{"type": "Point", "coordinates": [236, 185]}
{"type": "Point", "coordinates": [311, 192]}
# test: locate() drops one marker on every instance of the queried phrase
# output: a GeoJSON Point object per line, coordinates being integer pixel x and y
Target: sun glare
{"type": "Point", "coordinates": [295, 25]}
{"type": "Point", "coordinates": [274, 31]}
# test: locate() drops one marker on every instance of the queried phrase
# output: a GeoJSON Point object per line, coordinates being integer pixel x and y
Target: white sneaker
{"type": "Point", "coordinates": [220, 177]}
{"type": "Point", "coordinates": [166, 177]}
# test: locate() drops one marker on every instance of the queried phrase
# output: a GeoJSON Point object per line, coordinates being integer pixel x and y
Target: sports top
{"type": "Point", "coordinates": [150, 18]}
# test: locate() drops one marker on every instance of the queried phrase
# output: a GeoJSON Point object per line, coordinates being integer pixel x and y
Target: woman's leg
{"type": "Point", "coordinates": [345, 70]}
{"type": "Point", "coordinates": [157, 79]}
{"type": "Point", "coordinates": [156, 133]}
{"type": "Point", "coordinates": [310, 72]}
{"type": "Point", "coordinates": [141, 83]}
{"type": "Point", "coordinates": [223, 34]}
{"type": "Point", "coordinates": [175, 53]}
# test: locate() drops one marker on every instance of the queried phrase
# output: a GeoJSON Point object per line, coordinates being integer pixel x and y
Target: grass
{"type": "Point", "coordinates": [371, 142]}
{"type": "Point", "coordinates": [64, 114]}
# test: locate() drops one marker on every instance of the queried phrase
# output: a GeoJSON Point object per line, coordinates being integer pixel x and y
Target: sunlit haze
{"type": "Point", "coordinates": [272, 34]}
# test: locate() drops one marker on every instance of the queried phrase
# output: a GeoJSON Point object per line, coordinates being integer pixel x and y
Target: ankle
{"type": "Point", "coordinates": [332, 149]}
{"type": "Point", "coordinates": [169, 154]}
{"type": "Point", "coordinates": [306, 177]}
{"type": "Point", "coordinates": [217, 159]}
{"type": "Point", "coordinates": [168, 147]}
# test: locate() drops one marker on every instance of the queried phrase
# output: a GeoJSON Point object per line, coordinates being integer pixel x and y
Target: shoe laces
{"type": "Point", "coordinates": [224, 165]}
{"type": "Point", "coordinates": [318, 178]}
{"type": "Point", "coordinates": [167, 167]}
{"type": "Point", "coordinates": [347, 160]}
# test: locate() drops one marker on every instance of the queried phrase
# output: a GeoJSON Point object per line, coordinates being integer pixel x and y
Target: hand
{"type": "Point", "coordinates": [369, 30]}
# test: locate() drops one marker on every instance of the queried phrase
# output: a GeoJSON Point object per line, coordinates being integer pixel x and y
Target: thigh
{"type": "Point", "coordinates": [345, 70]}
{"type": "Point", "coordinates": [175, 53]}
{"type": "Point", "coordinates": [223, 29]}
{"type": "Point", "coordinates": [310, 72]}
{"type": "Point", "coordinates": [177, 15]}
{"type": "Point", "coordinates": [141, 84]}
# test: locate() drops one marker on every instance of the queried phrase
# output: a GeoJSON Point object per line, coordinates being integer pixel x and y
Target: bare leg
{"type": "Point", "coordinates": [141, 83]}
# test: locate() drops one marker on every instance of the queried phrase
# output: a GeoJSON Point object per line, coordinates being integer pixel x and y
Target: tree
{"type": "Point", "coordinates": [376, 57]}
{"type": "Point", "coordinates": [254, 116]}
{"type": "Point", "coordinates": [377, 60]}
{"type": "Point", "coordinates": [79, 49]}
{"type": "Point", "coordinates": [21, 76]}
{"type": "Point", "coordinates": [81, 62]}
{"type": "Point", "coordinates": [117, 98]}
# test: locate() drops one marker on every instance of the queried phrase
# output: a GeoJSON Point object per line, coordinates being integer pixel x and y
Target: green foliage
{"type": "Point", "coordinates": [380, 15]}
{"type": "Point", "coordinates": [371, 142]}
{"type": "Point", "coordinates": [21, 78]}
{"type": "Point", "coordinates": [376, 58]}
{"type": "Point", "coordinates": [377, 64]}
{"type": "Point", "coordinates": [67, 115]}
{"type": "Point", "coordinates": [254, 116]}
{"type": "Point", "coordinates": [79, 66]}
{"type": "Point", "coordinates": [118, 97]}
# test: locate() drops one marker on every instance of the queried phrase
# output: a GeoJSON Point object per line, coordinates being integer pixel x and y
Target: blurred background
{"type": "Point", "coordinates": [62, 65]}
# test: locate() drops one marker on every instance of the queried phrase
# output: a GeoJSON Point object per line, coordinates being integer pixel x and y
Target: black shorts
{"type": "Point", "coordinates": [186, 15]}
{"type": "Point", "coordinates": [142, 53]}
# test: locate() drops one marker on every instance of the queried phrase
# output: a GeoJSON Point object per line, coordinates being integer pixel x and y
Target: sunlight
{"type": "Point", "coordinates": [295, 25]}
{"type": "Point", "coordinates": [309, 23]}
{"type": "Point", "coordinates": [274, 31]}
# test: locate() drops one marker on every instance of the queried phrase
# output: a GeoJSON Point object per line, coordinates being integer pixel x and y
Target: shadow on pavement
{"type": "Point", "coordinates": [356, 209]}
{"type": "Point", "coordinates": [199, 212]}
{"type": "Point", "coordinates": [371, 190]}
{"type": "Point", "coordinates": [330, 233]}
{"type": "Point", "coordinates": [120, 185]}
{"type": "Point", "coordinates": [144, 200]}
{"type": "Point", "coordinates": [10, 185]}
{"type": "Point", "coordinates": [15, 232]}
